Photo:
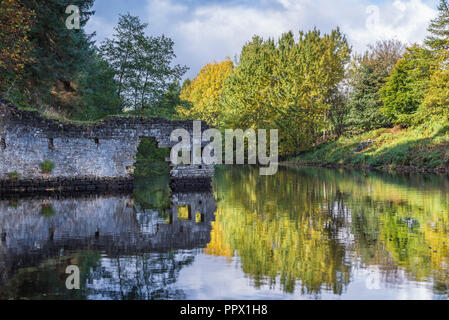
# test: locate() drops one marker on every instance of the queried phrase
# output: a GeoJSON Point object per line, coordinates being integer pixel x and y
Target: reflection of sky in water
{"type": "Point", "coordinates": [214, 277]}
{"type": "Point", "coordinates": [210, 277]}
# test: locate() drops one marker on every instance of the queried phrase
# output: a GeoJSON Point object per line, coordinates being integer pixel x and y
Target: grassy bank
{"type": "Point", "coordinates": [423, 148]}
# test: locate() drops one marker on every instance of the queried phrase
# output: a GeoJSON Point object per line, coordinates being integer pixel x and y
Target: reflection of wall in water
{"type": "Point", "coordinates": [35, 229]}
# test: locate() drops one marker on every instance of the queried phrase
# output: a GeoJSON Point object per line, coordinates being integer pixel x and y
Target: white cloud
{"type": "Point", "coordinates": [100, 26]}
{"type": "Point", "coordinates": [209, 31]}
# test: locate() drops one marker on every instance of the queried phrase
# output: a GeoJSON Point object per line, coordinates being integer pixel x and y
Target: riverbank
{"type": "Point", "coordinates": [420, 149]}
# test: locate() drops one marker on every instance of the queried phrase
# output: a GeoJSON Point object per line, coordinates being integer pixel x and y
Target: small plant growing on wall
{"type": "Point", "coordinates": [13, 175]}
{"type": "Point", "coordinates": [47, 210]}
{"type": "Point", "coordinates": [47, 166]}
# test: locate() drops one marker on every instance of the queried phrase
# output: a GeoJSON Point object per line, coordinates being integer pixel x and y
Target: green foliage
{"type": "Point", "coordinates": [47, 166]}
{"type": "Point", "coordinates": [338, 112]}
{"type": "Point", "coordinates": [13, 175]}
{"type": "Point", "coordinates": [150, 159]}
{"type": "Point", "coordinates": [424, 146]}
{"type": "Point", "coordinates": [439, 29]}
{"type": "Point", "coordinates": [166, 106]}
{"type": "Point", "coordinates": [404, 89]}
{"type": "Point", "coordinates": [286, 85]}
{"type": "Point", "coordinates": [153, 192]}
{"type": "Point", "coordinates": [47, 210]}
{"type": "Point", "coordinates": [98, 90]}
{"type": "Point", "coordinates": [142, 64]}
{"type": "Point", "coordinates": [436, 100]}
{"type": "Point", "coordinates": [59, 54]}
{"type": "Point", "coordinates": [368, 76]}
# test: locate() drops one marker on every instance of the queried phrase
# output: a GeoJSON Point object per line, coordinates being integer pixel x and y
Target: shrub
{"type": "Point", "coordinates": [14, 175]}
{"type": "Point", "coordinates": [47, 210]}
{"type": "Point", "coordinates": [47, 166]}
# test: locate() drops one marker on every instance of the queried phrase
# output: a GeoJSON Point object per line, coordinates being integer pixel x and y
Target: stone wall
{"type": "Point", "coordinates": [103, 150]}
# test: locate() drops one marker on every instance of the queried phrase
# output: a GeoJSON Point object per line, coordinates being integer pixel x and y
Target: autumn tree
{"type": "Point", "coordinates": [15, 46]}
{"type": "Point", "coordinates": [286, 84]}
{"type": "Point", "coordinates": [436, 98]}
{"type": "Point", "coordinates": [203, 93]}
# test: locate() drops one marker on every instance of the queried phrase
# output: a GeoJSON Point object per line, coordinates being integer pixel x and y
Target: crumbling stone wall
{"type": "Point", "coordinates": [101, 151]}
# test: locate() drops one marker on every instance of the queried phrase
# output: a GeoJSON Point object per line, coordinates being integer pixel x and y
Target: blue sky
{"type": "Point", "coordinates": [207, 31]}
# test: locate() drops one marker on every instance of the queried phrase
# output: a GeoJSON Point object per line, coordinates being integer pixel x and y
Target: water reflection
{"type": "Point", "coordinates": [312, 230]}
{"type": "Point", "coordinates": [125, 250]}
{"type": "Point", "coordinates": [303, 233]}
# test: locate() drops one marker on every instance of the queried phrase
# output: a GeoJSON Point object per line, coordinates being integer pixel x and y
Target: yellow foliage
{"type": "Point", "coordinates": [15, 47]}
{"type": "Point", "coordinates": [204, 92]}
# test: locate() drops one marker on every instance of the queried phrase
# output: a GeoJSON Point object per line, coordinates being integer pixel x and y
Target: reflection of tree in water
{"type": "Point", "coordinates": [146, 276]}
{"type": "Point", "coordinates": [140, 276]}
{"type": "Point", "coordinates": [280, 231]}
{"type": "Point", "coordinates": [312, 227]}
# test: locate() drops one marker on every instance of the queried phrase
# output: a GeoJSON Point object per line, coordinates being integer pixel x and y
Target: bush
{"type": "Point", "coordinates": [47, 166]}
{"type": "Point", "coordinates": [14, 175]}
{"type": "Point", "coordinates": [47, 210]}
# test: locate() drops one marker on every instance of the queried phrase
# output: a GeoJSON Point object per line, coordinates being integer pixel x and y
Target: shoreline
{"type": "Point", "coordinates": [388, 169]}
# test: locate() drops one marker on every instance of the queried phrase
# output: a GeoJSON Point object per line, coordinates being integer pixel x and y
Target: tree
{"type": "Point", "coordinates": [59, 54]}
{"type": "Point", "coordinates": [338, 111]}
{"type": "Point", "coordinates": [142, 64]}
{"type": "Point", "coordinates": [436, 99]}
{"type": "Point", "coordinates": [167, 105]}
{"type": "Point", "coordinates": [307, 84]}
{"type": "Point", "coordinates": [368, 76]}
{"type": "Point", "coordinates": [245, 102]}
{"type": "Point", "coordinates": [286, 85]}
{"type": "Point", "coordinates": [203, 93]}
{"type": "Point", "coordinates": [98, 90]}
{"type": "Point", "coordinates": [404, 89]}
{"type": "Point", "coordinates": [15, 46]}
{"type": "Point", "coordinates": [121, 52]}
{"type": "Point", "coordinates": [439, 29]}
{"type": "Point", "coordinates": [155, 74]}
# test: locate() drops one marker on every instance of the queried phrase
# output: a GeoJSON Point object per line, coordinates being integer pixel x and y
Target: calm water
{"type": "Point", "coordinates": [302, 234]}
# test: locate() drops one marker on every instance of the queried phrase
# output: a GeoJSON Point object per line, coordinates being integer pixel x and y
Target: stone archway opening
{"type": "Point", "coordinates": [151, 175]}
{"type": "Point", "coordinates": [150, 159]}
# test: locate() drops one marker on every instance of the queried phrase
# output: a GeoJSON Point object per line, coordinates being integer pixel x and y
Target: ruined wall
{"type": "Point", "coordinates": [102, 150]}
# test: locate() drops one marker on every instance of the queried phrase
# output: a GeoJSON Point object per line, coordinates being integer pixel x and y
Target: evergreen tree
{"type": "Point", "coordinates": [59, 54]}
{"type": "Point", "coordinates": [98, 89]}
{"type": "Point", "coordinates": [368, 76]}
{"type": "Point", "coordinates": [439, 28]}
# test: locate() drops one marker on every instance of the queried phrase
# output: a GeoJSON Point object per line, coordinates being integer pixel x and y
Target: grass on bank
{"type": "Point", "coordinates": [426, 146]}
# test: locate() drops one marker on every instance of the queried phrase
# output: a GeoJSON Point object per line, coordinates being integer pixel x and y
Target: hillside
{"type": "Point", "coordinates": [424, 148]}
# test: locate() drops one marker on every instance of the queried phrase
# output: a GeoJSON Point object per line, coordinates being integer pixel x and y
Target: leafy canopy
{"type": "Point", "coordinates": [404, 89]}
{"type": "Point", "coordinates": [203, 93]}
